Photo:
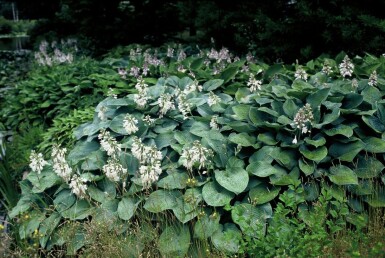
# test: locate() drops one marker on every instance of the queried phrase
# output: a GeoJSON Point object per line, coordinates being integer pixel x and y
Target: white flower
{"type": "Point", "coordinates": [150, 161]}
{"type": "Point", "coordinates": [254, 84]}
{"type": "Point", "coordinates": [165, 103]}
{"type": "Point", "coordinates": [111, 93]}
{"type": "Point", "coordinates": [214, 123]}
{"type": "Point", "coordinates": [373, 79]}
{"type": "Point", "coordinates": [295, 140]}
{"type": "Point", "coordinates": [192, 87]}
{"type": "Point", "coordinates": [346, 67]}
{"type": "Point", "coordinates": [129, 124]}
{"type": "Point", "coordinates": [114, 170]}
{"type": "Point", "coordinates": [102, 113]}
{"type": "Point", "coordinates": [303, 117]}
{"type": "Point", "coordinates": [60, 165]}
{"type": "Point", "coordinates": [134, 71]}
{"type": "Point", "coordinates": [326, 69]}
{"type": "Point", "coordinates": [213, 99]}
{"type": "Point", "coordinates": [195, 155]}
{"type": "Point", "coordinates": [122, 72]}
{"type": "Point", "coordinates": [78, 186]}
{"type": "Point", "coordinates": [183, 105]}
{"type": "Point", "coordinates": [148, 120]}
{"type": "Point", "coordinates": [300, 73]}
{"type": "Point", "coordinates": [108, 143]}
{"type": "Point", "coordinates": [37, 162]}
{"type": "Point", "coordinates": [141, 100]}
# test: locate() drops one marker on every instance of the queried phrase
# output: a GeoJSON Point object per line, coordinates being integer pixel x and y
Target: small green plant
{"type": "Point", "coordinates": [62, 130]}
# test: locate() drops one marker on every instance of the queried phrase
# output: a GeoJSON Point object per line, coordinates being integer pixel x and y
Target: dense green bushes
{"type": "Point", "coordinates": [208, 146]}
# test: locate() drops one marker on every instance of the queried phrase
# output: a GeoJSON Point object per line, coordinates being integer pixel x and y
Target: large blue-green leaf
{"type": "Point", "coordinates": [340, 129]}
{"type": "Point", "coordinates": [127, 208]}
{"type": "Point", "coordinates": [261, 194]}
{"type": "Point", "coordinates": [227, 239]}
{"type": "Point", "coordinates": [346, 151]}
{"type": "Point", "coordinates": [261, 169]}
{"type": "Point", "coordinates": [234, 178]}
{"type": "Point", "coordinates": [82, 150]}
{"type": "Point", "coordinates": [174, 241]}
{"type": "Point", "coordinates": [174, 180]}
{"type": "Point", "coordinates": [212, 84]}
{"type": "Point", "coordinates": [316, 155]}
{"type": "Point", "coordinates": [206, 226]}
{"type": "Point", "coordinates": [241, 112]}
{"type": "Point", "coordinates": [46, 179]}
{"type": "Point", "coordinates": [243, 139]}
{"type": "Point", "coordinates": [48, 226]}
{"type": "Point", "coordinates": [80, 210]}
{"type": "Point", "coordinates": [317, 98]}
{"type": "Point", "coordinates": [342, 175]}
{"type": "Point", "coordinates": [161, 200]}
{"type": "Point", "coordinates": [368, 167]}
{"type": "Point", "coordinates": [215, 195]}
{"type": "Point", "coordinates": [374, 145]}
{"type": "Point", "coordinates": [374, 123]}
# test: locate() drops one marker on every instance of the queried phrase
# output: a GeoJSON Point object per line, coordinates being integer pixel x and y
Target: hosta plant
{"type": "Point", "coordinates": [213, 145]}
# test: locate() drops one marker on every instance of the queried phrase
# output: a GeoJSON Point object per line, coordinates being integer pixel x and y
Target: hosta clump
{"type": "Point", "coordinates": [215, 150]}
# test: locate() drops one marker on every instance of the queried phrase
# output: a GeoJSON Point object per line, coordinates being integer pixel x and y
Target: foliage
{"type": "Point", "coordinates": [214, 144]}
{"type": "Point", "coordinates": [50, 92]}
{"type": "Point", "coordinates": [62, 129]}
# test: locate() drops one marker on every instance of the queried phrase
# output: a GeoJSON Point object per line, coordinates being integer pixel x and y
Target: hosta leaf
{"type": "Point", "coordinates": [174, 241]}
{"type": "Point", "coordinates": [206, 226]}
{"type": "Point", "coordinates": [377, 199]}
{"type": "Point", "coordinates": [80, 210]}
{"type": "Point", "coordinates": [368, 167]}
{"type": "Point", "coordinates": [316, 155]}
{"type": "Point", "coordinates": [251, 219]}
{"type": "Point", "coordinates": [229, 74]}
{"type": "Point", "coordinates": [329, 118]}
{"type": "Point", "coordinates": [263, 154]}
{"type": "Point", "coordinates": [212, 84]}
{"type": "Point", "coordinates": [306, 167]}
{"type": "Point", "coordinates": [342, 175]}
{"type": "Point", "coordinates": [311, 191]}
{"type": "Point", "coordinates": [241, 112]}
{"type": "Point", "coordinates": [290, 108]}
{"type": "Point", "coordinates": [46, 179]}
{"type": "Point", "coordinates": [185, 212]}
{"type": "Point", "coordinates": [94, 161]}
{"type": "Point", "coordinates": [234, 179]}
{"type": "Point", "coordinates": [97, 194]}
{"type": "Point", "coordinates": [215, 195]}
{"type": "Point", "coordinates": [316, 99]}
{"type": "Point", "coordinates": [352, 100]}
{"type": "Point", "coordinates": [282, 178]}
{"type": "Point", "coordinates": [243, 139]}
{"type": "Point", "coordinates": [374, 145]}
{"type": "Point", "coordinates": [48, 226]}
{"type": "Point", "coordinates": [64, 200]}
{"type": "Point", "coordinates": [127, 208]}
{"type": "Point", "coordinates": [317, 141]}
{"type": "Point", "coordinates": [340, 129]}
{"type": "Point", "coordinates": [227, 239]}
{"type": "Point", "coordinates": [261, 169]}
{"type": "Point", "coordinates": [163, 140]}
{"type": "Point", "coordinates": [345, 151]}
{"type": "Point", "coordinates": [82, 150]}
{"type": "Point", "coordinates": [371, 94]}
{"type": "Point", "coordinates": [173, 181]}
{"type": "Point", "coordinates": [262, 194]}
{"type": "Point", "coordinates": [374, 123]}
{"type": "Point", "coordinates": [267, 138]}
{"type": "Point", "coordinates": [161, 200]}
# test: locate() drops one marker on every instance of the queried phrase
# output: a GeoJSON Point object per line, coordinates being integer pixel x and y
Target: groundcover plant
{"type": "Point", "coordinates": [213, 142]}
